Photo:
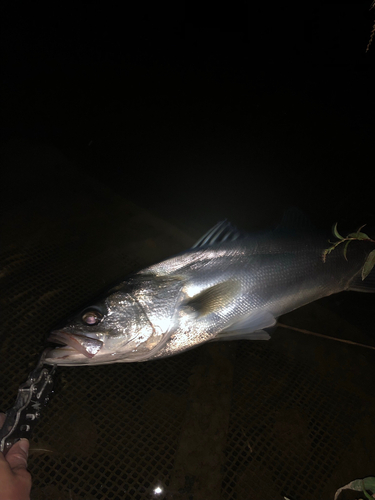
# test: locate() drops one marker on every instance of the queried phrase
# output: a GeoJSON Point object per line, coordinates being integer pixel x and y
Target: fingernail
{"type": "Point", "coordinates": [24, 445]}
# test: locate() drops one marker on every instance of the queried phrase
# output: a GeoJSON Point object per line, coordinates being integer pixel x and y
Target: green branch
{"type": "Point", "coordinates": [357, 236]}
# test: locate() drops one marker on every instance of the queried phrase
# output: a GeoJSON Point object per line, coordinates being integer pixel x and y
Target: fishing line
{"type": "Point", "coordinates": [301, 330]}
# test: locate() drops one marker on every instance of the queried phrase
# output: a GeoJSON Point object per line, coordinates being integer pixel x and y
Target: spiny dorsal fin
{"type": "Point", "coordinates": [293, 220]}
{"type": "Point", "coordinates": [223, 231]}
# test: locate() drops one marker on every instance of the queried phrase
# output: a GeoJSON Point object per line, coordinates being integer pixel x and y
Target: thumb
{"type": "Point", "coordinates": [17, 455]}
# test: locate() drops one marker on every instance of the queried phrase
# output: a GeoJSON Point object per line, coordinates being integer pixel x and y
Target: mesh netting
{"type": "Point", "coordinates": [239, 420]}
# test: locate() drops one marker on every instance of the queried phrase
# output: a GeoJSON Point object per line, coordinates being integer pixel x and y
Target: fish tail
{"type": "Point", "coordinates": [363, 285]}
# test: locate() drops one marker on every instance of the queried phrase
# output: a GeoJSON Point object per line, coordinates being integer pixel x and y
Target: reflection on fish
{"type": "Point", "coordinates": [230, 285]}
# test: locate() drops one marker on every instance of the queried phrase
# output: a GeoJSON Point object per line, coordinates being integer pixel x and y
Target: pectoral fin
{"type": "Point", "coordinates": [214, 298]}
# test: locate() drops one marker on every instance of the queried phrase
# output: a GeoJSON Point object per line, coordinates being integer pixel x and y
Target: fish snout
{"type": "Point", "coordinates": [78, 343]}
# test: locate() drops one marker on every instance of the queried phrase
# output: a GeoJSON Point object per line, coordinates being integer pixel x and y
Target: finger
{"type": "Point", "coordinates": [17, 455]}
{"type": "Point", "coordinates": [15, 483]}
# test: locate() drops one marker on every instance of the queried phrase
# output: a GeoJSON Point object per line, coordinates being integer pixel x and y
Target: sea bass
{"type": "Point", "coordinates": [230, 285]}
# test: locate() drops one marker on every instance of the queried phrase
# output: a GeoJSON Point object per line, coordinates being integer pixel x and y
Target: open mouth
{"type": "Point", "coordinates": [79, 343]}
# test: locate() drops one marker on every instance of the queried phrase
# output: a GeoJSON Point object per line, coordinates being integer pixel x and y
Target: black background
{"type": "Point", "coordinates": [197, 113]}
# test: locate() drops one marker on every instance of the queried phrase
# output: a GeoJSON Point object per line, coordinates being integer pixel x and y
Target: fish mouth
{"type": "Point", "coordinates": [73, 343]}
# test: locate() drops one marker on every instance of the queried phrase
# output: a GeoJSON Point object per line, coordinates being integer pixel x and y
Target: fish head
{"type": "Point", "coordinates": [129, 324]}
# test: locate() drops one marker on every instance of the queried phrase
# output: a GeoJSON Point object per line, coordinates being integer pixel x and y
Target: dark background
{"type": "Point", "coordinates": [194, 113]}
{"type": "Point", "coordinates": [197, 115]}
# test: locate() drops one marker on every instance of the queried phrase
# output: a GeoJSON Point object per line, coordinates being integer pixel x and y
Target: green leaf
{"type": "Point", "coordinates": [345, 249]}
{"type": "Point", "coordinates": [368, 483]}
{"type": "Point", "coordinates": [358, 236]}
{"type": "Point", "coordinates": [353, 485]}
{"type": "Point", "coordinates": [367, 495]}
{"type": "Point", "coordinates": [369, 264]}
{"type": "Point", "coordinates": [336, 233]}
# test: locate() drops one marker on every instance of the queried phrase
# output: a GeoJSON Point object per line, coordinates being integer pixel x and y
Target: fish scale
{"type": "Point", "coordinates": [229, 285]}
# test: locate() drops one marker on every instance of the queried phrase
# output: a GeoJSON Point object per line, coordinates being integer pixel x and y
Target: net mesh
{"type": "Point", "coordinates": [236, 420]}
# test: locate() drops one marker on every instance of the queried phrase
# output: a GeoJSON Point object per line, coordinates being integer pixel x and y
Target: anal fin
{"type": "Point", "coordinates": [250, 328]}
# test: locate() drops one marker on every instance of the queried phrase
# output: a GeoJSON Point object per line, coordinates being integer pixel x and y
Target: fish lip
{"type": "Point", "coordinates": [82, 344]}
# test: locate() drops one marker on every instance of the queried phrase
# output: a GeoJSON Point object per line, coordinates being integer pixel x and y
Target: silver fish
{"type": "Point", "coordinates": [230, 285]}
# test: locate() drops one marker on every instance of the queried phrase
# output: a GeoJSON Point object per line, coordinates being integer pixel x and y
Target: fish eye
{"type": "Point", "coordinates": [92, 317]}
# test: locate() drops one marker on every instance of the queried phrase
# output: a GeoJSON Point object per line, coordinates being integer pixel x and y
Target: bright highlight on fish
{"type": "Point", "coordinates": [230, 285]}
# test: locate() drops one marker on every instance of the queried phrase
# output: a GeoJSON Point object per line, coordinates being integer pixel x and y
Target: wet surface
{"type": "Point", "coordinates": [262, 420]}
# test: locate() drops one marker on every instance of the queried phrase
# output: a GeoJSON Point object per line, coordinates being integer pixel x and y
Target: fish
{"type": "Point", "coordinates": [230, 285]}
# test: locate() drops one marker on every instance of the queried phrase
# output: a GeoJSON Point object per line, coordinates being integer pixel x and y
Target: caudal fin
{"type": "Point", "coordinates": [366, 285]}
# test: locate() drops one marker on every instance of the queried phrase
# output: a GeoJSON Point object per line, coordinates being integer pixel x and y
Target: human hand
{"type": "Point", "coordinates": [15, 479]}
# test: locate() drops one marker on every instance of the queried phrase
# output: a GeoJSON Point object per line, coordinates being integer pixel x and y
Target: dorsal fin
{"type": "Point", "coordinates": [295, 220]}
{"type": "Point", "coordinates": [223, 231]}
